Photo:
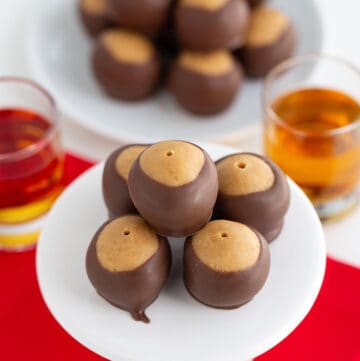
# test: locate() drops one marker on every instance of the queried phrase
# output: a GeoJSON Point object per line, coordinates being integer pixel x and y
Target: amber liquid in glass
{"type": "Point", "coordinates": [309, 145]}
{"type": "Point", "coordinates": [29, 183]}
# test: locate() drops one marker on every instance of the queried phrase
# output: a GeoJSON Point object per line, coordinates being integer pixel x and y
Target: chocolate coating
{"type": "Point", "coordinates": [135, 290]}
{"type": "Point", "coordinates": [224, 289]}
{"type": "Point", "coordinates": [128, 81]}
{"type": "Point", "coordinates": [204, 94]}
{"type": "Point", "coordinates": [263, 210]}
{"type": "Point", "coordinates": [175, 211]}
{"type": "Point", "coordinates": [146, 16]}
{"type": "Point", "coordinates": [254, 3]}
{"type": "Point", "coordinates": [95, 24]}
{"type": "Point", "coordinates": [259, 60]}
{"type": "Point", "coordinates": [205, 30]}
{"type": "Point", "coordinates": [168, 47]}
{"type": "Point", "coordinates": [115, 187]}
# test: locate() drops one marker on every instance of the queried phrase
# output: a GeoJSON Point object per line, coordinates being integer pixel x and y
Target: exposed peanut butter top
{"type": "Point", "coordinates": [173, 163]}
{"type": "Point", "coordinates": [126, 243]}
{"type": "Point", "coordinates": [266, 26]}
{"type": "Point", "coordinates": [214, 63]}
{"type": "Point", "coordinates": [210, 5]}
{"type": "Point", "coordinates": [226, 246]}
{"type": "Point", "coordinates": [242, 174]}
{"type": "Point", "coordinates": [94, 7]}
{"type": "Point", "coordinates": [128, 46]}
{"type": "Point", "coordinates": [126, 158]}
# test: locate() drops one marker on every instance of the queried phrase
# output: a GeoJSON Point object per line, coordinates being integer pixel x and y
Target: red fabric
{"type": "Point", "coordinates": [331, 331]}
{"type": "Point", "coordinates": [27, 329]}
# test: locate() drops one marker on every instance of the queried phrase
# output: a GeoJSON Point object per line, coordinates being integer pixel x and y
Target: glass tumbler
{"type": "Point", "coordinates": [312, 128]}
{"type": "Point", "coordinates": [31, 161]}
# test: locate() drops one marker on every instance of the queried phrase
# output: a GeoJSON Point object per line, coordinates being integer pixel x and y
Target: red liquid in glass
{"type": "Point", "coordinates": [35, 174]}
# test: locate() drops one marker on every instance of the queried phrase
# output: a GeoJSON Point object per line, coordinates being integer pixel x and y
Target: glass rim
{"type": "Point", "coordinates": [54, 124]}
{"type": "Point", "coordinates": [292, 63]}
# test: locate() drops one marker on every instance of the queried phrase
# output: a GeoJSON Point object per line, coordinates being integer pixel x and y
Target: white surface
{"type": "Point", "coordinates": [181, 328]}
{"type": "Point", "coordinates": [343, 238]}
{"type": "Point", "coordinates": [60, 56]}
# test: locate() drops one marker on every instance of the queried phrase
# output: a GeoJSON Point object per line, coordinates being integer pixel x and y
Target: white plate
{"type": "Point", "coordinates": [181, 328]}
{"type": "Point", "coordinates": [59, 53]}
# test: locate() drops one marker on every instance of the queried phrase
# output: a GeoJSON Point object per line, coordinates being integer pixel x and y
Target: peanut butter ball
{"type": "Point", "coordinates": [225, 264]}
{"type": "Point", "coordinates": [271, 39]}
{"type": "Point", "coordinates": [128, 264]}
{"type": "Point", "coordinates": [126, 64]}
{"type": "Point", "coordinates": [205, 83]}
{"type": "Point", "coordinates": [207, 25]}
{"type": "Point", "coordinates": [254, 191]}
{"type": "Point", "coordinates": [173, 185]}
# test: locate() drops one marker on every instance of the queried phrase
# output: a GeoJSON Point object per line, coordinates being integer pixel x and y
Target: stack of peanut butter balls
{"type": "Point", "coordinates": [222, 214]}
{"type": "Point", "coordinates": [197, 49]}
